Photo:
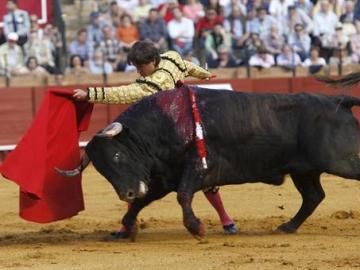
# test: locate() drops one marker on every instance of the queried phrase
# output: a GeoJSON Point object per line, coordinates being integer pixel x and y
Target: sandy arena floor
{"type": "Point", "coordinates": [330, 239]}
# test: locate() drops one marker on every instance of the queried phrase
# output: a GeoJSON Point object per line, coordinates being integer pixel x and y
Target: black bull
{"type": "Point", "coordinates": [249, 138]}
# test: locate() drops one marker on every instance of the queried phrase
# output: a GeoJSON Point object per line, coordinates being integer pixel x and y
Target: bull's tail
{"type": "Point", "coordinates": [347, 101]}
{"type": "Point", "coordinates": [345, 81]}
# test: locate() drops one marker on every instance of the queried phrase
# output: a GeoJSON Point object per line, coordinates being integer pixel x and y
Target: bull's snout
{"type": "Point", "coordinates": [127, 196]}
{"type": "Point", "coordinates": [130, 194]}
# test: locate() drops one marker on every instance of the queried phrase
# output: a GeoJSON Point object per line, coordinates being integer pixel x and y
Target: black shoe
{"type": "Point", "coordinates": [120, 235]}
{"type": "Point", "coordinates": [230, 229]}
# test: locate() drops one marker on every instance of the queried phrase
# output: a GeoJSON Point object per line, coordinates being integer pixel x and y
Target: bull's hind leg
{"type": "Point", "coordinates": [312, 194]}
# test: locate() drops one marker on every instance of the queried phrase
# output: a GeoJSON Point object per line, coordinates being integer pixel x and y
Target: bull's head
{"type": "Point", "coordinates": [111, 152]}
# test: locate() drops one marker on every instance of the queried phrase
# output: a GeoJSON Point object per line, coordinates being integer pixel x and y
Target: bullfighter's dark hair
{"type": "Point", "coordinates": [143, 52]}
{"type": "Point", "coordinates": [345, 81]}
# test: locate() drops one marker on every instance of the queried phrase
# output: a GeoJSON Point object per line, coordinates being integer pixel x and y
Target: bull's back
{"type": "Point", "coordinates": [266, 133]}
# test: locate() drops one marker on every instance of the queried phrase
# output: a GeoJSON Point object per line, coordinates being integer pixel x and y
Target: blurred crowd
{"type": "Point", "coordinates": [220, 33]}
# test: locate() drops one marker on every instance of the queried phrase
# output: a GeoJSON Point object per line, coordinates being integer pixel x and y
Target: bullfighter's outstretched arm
{"type": "Point", "coordinates": [197, 71]}
{"type": "Point", "coordinates": [128, 94]}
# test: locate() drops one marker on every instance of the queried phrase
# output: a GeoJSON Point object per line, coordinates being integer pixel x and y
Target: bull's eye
{"type": "Point", "coordinates": [117, 157]}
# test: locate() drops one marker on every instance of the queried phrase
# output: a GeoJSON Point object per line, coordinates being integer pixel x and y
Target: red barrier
{"type": "Point", "coordinates": [18, 105]}
{"type": "Point", "coordinates": [16, 113]}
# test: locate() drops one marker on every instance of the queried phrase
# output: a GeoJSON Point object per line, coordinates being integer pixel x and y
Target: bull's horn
{"type": "Point", "coordinates": [143, 189]}
{"type": "Point", "coordinates": [111, 130]}
{"type": "Point", "coordinates": [78, 170]}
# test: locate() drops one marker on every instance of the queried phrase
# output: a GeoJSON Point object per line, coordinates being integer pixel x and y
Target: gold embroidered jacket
{"type": "Point", "coordinates": [170, 69]}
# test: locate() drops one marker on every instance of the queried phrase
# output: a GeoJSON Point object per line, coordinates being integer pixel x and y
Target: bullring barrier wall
{"type": "Point", "coordinates": [18, 105]}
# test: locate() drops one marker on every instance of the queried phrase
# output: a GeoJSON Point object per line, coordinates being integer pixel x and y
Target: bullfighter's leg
{"type": "Point", "coordinates": [312, 194]}
{"type": "Point", "coordinates": [190, 183]}
{"type": "Point", "coordinates": [129, 220]}
{"type": "Point", "coordinates": [213, 196]}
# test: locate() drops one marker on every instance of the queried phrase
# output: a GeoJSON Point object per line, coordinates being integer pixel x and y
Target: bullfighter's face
{"type": "Point", "coordinates": [116, 162]}
{"type": "Point", "coordinates": [146, 69]}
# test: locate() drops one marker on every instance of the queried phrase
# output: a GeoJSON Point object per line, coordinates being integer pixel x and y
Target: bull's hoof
{"type": "Point", "coordinates": [196, 228]}
{"type": "Point", "coordinates": [120, 235]}
{"type": "Point", "coordinates": [286, 228]}
{"type": "Point", "coordinates": [133, 231]}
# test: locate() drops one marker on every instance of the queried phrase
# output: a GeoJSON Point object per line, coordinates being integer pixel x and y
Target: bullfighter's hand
{"type": "Point", "coordinates": [80, 94]}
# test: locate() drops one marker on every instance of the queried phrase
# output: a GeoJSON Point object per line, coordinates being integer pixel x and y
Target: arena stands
{"type": "Point", "coordinates": [236, 34]}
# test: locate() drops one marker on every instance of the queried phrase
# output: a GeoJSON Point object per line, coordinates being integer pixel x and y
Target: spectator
{"type": "Point", "coordinates": [115, 13]}
{"type": "Point", "coordinates": [217, 37]}
{"type": "Point", "coordinates": [334, 5]}
{"type": "Point", "coordinates": [274, 41]}
{"type": "Point", "coordinates": [297, 16]}
{"type": "Point", "coordinates": [355, 44]}
{"type": "Point", "coordinates": [34, 26]}
{"type": "Point", "coordinates": [262, 59]}
{"type": "Point", "coordinates": [305, 6]}
{"type": "Point", "coordinates": [234, 25]}
{"type": "Point", "coordinates": [156, 3]}
{"type": "Point", "coordinates": [192, 58]}
{"type": "Point", "coordinates": [231, 5]}
{"type": "Point", "coordinates": [193, 10]}
{"type": "Point", "coordinates": [16, 21]}
{"type": "Point", "coordinates": [251, 45]}
{"type": "Point", "coordinates": [40, 49]}
{"type": "Point", "coordinates": [340, 57]}
{"type": "Point", "coordinates": [52, 34]}
{"type": "Point", "coordinates": [103, 8]}
{"type": "Point", "coordinates": [330, 43]}
{"type": "Point", "coordinates": [127, 33]}
{"type": "Point", "coordinates": [224, 60]}
{"type": "Point", "coordinates": [141, 11]}
{"type": "Point", "coordinates": [315, 63]}
{"type": "Point", "coordinates": [288, 58]}
{"type": "Point", "coordinates": [154, 29]}
{"type": "Point", "coordinates": [11, 56]}
{"type": "Point", "coordinates": [347, 18]}
{"type": "Point", "coordinates": [357, 11]}
{"type": "Point", "coordinates": [256, 4]}
{"type": "Point", "coordinates": [99, 65]}
{"type": "Point", "coordinates": [110, 46]}
{"type": "Point", "coordinates": [128, 5]}
{"type": "Point", "coordinates": [76, 66]}
{"type": "Point", "coordinates": [279, 9]}
{"type": "Point", "coordinates": [81, 46]}
{"type": "Point", "coordinates": [251, 25]}
{"type": "Point", "coordinates": [94, 29]}
{"type": "Point", "coordinates": [207, 23]}
{"type": "Point", "coordinates": [215, 5]}
{"type": "Point", "coordinates": [32, 67]}
{"type": "Point", "coordinates": [325, 20]}
{"type": "Point", "coordinates": [122, 63]}
{"type": "Point", "coordinates": [262, 23]}
{"type": "Point", "coordinates": [300, 41]}
{"type": "Point", "coordinates": [166, 10]}
{"type": "Point", "coordinates": [348, 15]}
{"type": "Point", "coordinates": [181, 31]}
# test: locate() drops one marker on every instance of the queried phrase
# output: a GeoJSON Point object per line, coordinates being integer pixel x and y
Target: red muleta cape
{"type": "Point", "coordinates": [51, 141]}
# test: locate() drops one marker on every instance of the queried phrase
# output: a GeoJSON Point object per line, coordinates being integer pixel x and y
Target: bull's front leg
{"type": "Point", "coordinates": [185, 193]}
{"type": "Point", "coordinates": [129, 219]}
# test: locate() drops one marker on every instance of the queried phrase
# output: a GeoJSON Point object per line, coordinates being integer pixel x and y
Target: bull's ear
{"type": "Point", "coordinates": [111, 130]}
